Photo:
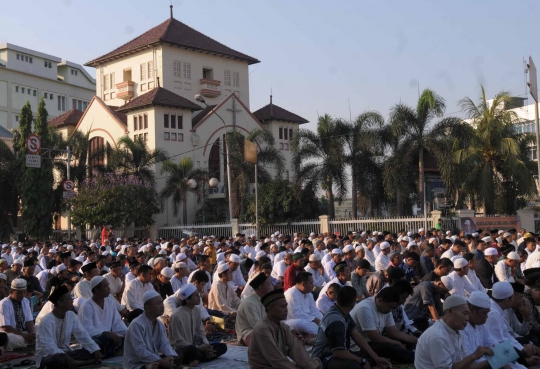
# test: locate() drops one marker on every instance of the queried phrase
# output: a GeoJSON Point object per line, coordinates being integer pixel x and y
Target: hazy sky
{"type": "Point", "coordinates": [314, 54]}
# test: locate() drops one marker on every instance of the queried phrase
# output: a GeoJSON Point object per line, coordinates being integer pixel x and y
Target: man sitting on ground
{"type": "Point", "coordinates": [54, 333]}
{"type": "Point", "coordinates": [186, 331]}
{"type": "Point", "coordinates": [425, 302]}
{"type": "Point", "coordinates": [16, 316]}
{"type": "Point", "coordinates": [180, 275]}
{"type": "Point", "coordinates": [101, 319]}
{"type": "Point", "coordinates": [327, 299]}
{"type": "Point", "coordinates": [303, 314]}
{"type": "Point", "coordinates": [82, 289]}
{"type": "Point", "coordinates": [222, 296]}
{"type": "Point", "coordinates": [199, 280]}
{"type": "Point", "coordinates": [134, 291]}
{"type": "Point", "coordinates": [272, 343]}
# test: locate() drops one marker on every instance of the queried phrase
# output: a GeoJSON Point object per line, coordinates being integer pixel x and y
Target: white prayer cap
{"type": "Point", "coordinates": [80, 258]}
{"type": "Point", "coordinates": [412, 243]}
{"type": "Point", "coordinates": [180, 256]}
{"type": "Point", "coordinates": [314, 257]}
{"type": "Point", "coordinates": [259, 255]}
{"type": "Point", "coordinates": [18, 284]}
{"type": "Point", "coordinates": [118, 239]}
{"type": "Point", "coordinates": [432, 239]}
{"type": "Point", "coordinates": [336, 251]}
{"type": "Point", "coordinates": [400, 238]}
{"type": "Point", "coordinates": [93, 244]}
{"type": "Point", "coordinates": [460, 263]}
{"type": "Point", "coordinates": [502, 290]}
{"type": "Point", "coordinates": [375, 233]}
{"type": "Point", "coordinates": [167, 272]}
{"type": "Point", "coordinates": [95, 281]}
{"type": "Point", "coordinates": [455, 257]}
{"type": "Point", "coordinates": [348, 248]}
{"type": "Point", "coordinates": [312, 234]}
{"type": "Point", "coordinates": [487, 239]}
{"type": "Point", "coordinates": [453, 301]}
{"type": "Point", "coordinates": [158, 247]}
{"type": "Point", "coordinates": [479, 299]}
{"type": "Point", "coordinates": [491, 251]}
{"type": "Point", "coordinates": [183, 249]}
{"type": "Point", "coordinates": [448, 282]}
{"type": "Point", "coordinates": [420, 230]}
{"type": "Point", "coordinates": [18, 261]}
{"type": "Point", "coordinates": [180, 265]}
{"type": "Point", "coordinates": [454, 238]}
{"type": "Point", "coordinates": [3, 276]}
{"type": "Point", "coordinates": [157, 260]}
{"type": "Point", "coordinates": [358, 248]}
{"type": "Point", "coordinates": [105, 253]}
{"type": "Point", "coordinates": [106, 240]}
{"type": "Point", "coordinates": [234, 258]}
{"type": "Point", "coordinates": [59, 268]}
{"type": "Point", "coordinates": [163, 252]}
{"type": "Point", "coordinates": [354, 233]}
{"type": "Point", "coordinates": [513, 256]}
{"type": "Point", "coordinates": [149, 295]}
{"type": "Point", "coordinates": [151, 262]}
{"type": "Point", "coordinates": [384, 245]}
{"type": "Point", "coordinates": [278, 243]}
{"type": "Point", "coordinates": [205, 237]}
{"type": "Point", "coordinates": [187, 290]}
{"type": "Point", "coordinates": [475, 234]}
{"type": "Point", "coordinates": [201, 243]}
{"type": "Point", "coordinates": [222, 268]}
{"type": "Point", "coordinates": [275, 234]}
{"type": "Point", "coordinates": [500, 231]}
{"type": "Point", "coordinates": [448, 232]}
{"type": "Point", "coordinates": [506, 234]}
{"type": "Point", "coordinates": [176, 247]}
{"type": "Point", "coordinates": [409, 234]}
{"type": "Point", "coordinates": [363, 233]}
{"type": "Point", "coordinates": [70, 247]}
{"type": "Point", "coordinates": [266, 240]}
{"type": "Point", "coordinates": [252, 236]}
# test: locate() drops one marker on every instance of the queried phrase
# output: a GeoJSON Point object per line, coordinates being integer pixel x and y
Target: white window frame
{"type": "Point", "coordinates": [186, 70]}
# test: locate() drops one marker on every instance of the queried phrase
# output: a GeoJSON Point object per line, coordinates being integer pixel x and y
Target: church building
{"type": "Point", "coordinates": [146, 89]}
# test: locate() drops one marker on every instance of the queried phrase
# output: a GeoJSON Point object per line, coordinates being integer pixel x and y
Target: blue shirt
{"type": "Point", "coordinates": [410, 273]}
{"type": "Point", "coordinates": [428, 264]}
{"type": "Point", "coordinates": [479, 255]}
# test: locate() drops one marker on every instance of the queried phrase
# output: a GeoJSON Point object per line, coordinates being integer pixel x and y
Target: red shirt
{"type": "Point", "coordinates": [289, 279]}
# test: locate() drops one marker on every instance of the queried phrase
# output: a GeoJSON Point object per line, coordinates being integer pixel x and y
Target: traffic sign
{"type": "Point", "coordinates": [33, 161]}
{"type": "Point", "coordinates": [68, 185]}
{"type": "Point", "coordinates": [68, 195]}
{"type": "Point", "coordinates": [33, 144]}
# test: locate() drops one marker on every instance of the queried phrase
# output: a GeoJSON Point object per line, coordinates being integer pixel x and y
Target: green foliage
{"type": "Point", "coordinates": [280, 201]}
{"type": "Point", "coordinates": [36, 185]}
{"type": "Point", "coordinates": [9, 191]}
{"type": "Point", "coordinates": [116, 200]}
{"type": "Point", "coordinates": [213, 213]}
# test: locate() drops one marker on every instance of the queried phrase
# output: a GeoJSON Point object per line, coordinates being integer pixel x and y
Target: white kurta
{"type": "Point", "coordinates": [326, 259]}
{"type": "Point", "coordinates": [250, 312]}
{"type": "Point", "coordinates": [7, 313]}
{"type": "Point", "coordinates": [97, 320]}
{"type": "Point", "coordinates": [475, 281]}
{"type": "Point", "coordinates": [133, 294]}
{"type": "Point", "coordinates": [278, 271]}
{"type": "Point", "coordinates": [477, 336]}
{"type": "Point", "coordinates": [83, 290]}
{"type": "Point", "coordinates": [462, 287]}
{"type": "Point", "coordinates": [129, 277]}
{"type": "Point", "coordinates": [207, 286]}
{"type": "Point", "coordinates": [498, 328]}
{"type": "Point", "coordinates": [439, 347]}
{"type": "Point", "coordinates": [178, 283]}
{"type": "Point", "coordinates": [301, 306]}
{"type": "Point", "coordinates": [53, 336]}
{"type": "Point", "coordinates": [503, 272]}
{"type": "Point", "coordinates": [448, 254]}
{"type": "Point", "coordinates": [324, 303]}
{"type": "Point", "coordinates": [329, 268]}
{"type": "Point", "coordinates": [43, 277]}
{"type": "Point", "coordinates": [370, 256]}
{"type": "Point", "coordinates": [319, 280]}
{"type": "Point", "coordinates": [144, 342]}
{"type": "Point", "coordinates": [223, 297]}
{"type": "Point", "coordinates": [382, 262]}
{"type": "Point", "coordinates": [115, 284]}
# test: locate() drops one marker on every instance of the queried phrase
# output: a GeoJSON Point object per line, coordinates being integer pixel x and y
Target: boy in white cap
{"type": "Point", "coordinates": [16, 316]}
{"type": "Point", "coordinates": [503, 268]}
{"type": "Point", "coordinates": [443, 346]}
{"type": "Point", "coordinates": [336, 255]}
{"type": "Point", "coordinates": [134, 291]}
{"type": "Point", "coordinates": [462, 287]}
{"type": "Point", "coordinates": [317, 271]}
{"type": "Point", "coordinates": [222, 296]}
{"type": "Point", "coordinates": [162, 283]}
{"type": "Point", "coordinates": [186, 331]}
{"type": "Point", "coordinates": [146, 341]}
{"type": "Point", "coordinates": [101, 319]}
{"type": "Point", "coordinates": [180, 275]}
{"type": "Point", "coordinates": [382, 261]}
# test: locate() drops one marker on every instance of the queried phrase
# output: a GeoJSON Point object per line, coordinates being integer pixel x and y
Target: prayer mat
{"type": "Point", "coordinates": [9, 356]}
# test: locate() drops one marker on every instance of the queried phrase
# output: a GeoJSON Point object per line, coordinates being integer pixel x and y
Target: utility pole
{"type": "Point", "coordinates": [533, 89]}
{"type": "Point", "coordinates": [68, 171]}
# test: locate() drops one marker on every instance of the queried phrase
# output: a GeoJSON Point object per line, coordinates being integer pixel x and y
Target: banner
{"type": "Point", "coordinates": [471, 225]}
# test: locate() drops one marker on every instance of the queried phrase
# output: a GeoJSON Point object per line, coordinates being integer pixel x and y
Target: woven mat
{"type": "Point", "coordinates": [9, 356]}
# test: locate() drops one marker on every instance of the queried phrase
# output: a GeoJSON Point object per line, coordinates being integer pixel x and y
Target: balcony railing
{"type": "Point", "coordinates": [126, 90]}
{"type": "Point", "coordinates": [210, 88]}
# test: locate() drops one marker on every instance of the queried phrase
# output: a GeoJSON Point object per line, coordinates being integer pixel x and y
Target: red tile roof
{"type": "Point", "coordinates": [203, 113]}
{"type": "Point", "coordinates": [174, 32]}
{"type": "Point", "coordinates": [122, 117]}
{"type": "Point", "coordinates": [159, 96]}
{"type": "Point", "coordinates": [274, 112]}
{"type": "Point", "coordinates": [69, 118]}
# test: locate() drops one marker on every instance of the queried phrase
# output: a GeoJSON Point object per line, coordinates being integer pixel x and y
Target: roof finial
{"type": "Point", "coordinates": [171, 10]}
{"type": "Point", "coordinates": [271, 105]}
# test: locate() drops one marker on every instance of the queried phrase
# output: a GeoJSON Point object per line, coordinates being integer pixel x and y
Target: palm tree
{"type": "Point", "coordinates": [361, 141]}
{"type": "Point", "coordinates": [496, 166]}
{"type": "Point", "coordinates": [320, 159]}
{"type": "Point", "coordinates": [243, 172]}
{"type": "Point", "coordinates": [177, 186]}
{"type": "Point", "coordinates": [413, 124]}
{"type": "Point", "coordinates": [133, 157]}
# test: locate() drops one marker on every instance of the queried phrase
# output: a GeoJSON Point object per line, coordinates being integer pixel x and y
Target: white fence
{"type": "Point", "coordinates": [379, 224]}
{"type": "Point", "coordinates": [305, 227]}
{"type": "Point", "coordinates": [95, 233]}
{"type": "Point", "coordinates": [183, 231]}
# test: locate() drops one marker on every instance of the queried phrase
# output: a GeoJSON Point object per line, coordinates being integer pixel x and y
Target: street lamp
{"type": "Point", "coordinates": [199, 98]}
{"type": "Point", "coordinates": [213, 182]}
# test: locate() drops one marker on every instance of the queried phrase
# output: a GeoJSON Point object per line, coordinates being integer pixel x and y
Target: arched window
{"type": "Point", "coordinates": [214, 167]}
{"type": "Point", "coordinates": [96, 153]}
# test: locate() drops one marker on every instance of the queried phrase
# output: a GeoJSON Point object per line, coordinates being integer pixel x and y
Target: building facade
{"type": "Point", "coordinates": [29, 75]}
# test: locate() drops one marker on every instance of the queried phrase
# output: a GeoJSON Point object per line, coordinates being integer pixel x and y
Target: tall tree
{"type": "Point", "coordinates": [9, 191]}
{"type": "Point", "coordinates": [176, 186]}
{"type": "Point", "coordinates": [495, 165]}
{"type": "Point", "coordinates": [320, 159]}
{"type": "Point", "coordinates": [414, 124]}
{"type": "Point", "coordinates": [36, 184]}
{"type": "Point", "coordinates": [134, 157]}
{"type": "Point", "coordinates": [361, 139]}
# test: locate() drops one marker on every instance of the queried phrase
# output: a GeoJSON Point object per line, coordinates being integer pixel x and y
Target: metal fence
{"type": "Point", "coordinates": [379, 224]}
{"type": "Point", "coordinates": [184, 230]}
{"type": "Point", "coordinates": [305, 227]}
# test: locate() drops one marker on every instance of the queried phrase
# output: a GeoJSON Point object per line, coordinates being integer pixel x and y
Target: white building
{"type": "Point", "coordinates": [146, 88]}
{"type": "Point", "coordinates": [29, 75]}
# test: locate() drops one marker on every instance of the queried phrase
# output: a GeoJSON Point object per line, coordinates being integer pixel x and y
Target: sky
{"type": "Point", "coordinates": [316, 55]}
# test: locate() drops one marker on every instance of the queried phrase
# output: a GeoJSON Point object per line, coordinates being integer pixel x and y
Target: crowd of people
{"type": "Point", "coordinates": [428, 298]}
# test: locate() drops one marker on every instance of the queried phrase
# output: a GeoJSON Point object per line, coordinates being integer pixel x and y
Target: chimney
{"type": "Point", "coordinates": [171, 10]}
{"type": "Point", "coordinates": [158, 82]}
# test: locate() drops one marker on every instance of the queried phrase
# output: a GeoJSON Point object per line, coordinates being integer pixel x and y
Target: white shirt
{"type": "Point", "coordinates": [324, 303]}
{"type": "Point", "coordinates": [133, 294]}
{"type": "Point", "coordinates": [301, 306]}
{"type": "Point", "coordinates": [326, 258]}
{"type": "Point", "coordinates": [368, 318]}
{"type": "Point", "coordinates": [129, 277]}
{"type": "Point", "coordinates": [475, 281]}
{"type": "Point", "coordinates": [96, 320]}
{"type": "Point", "coordinates": [503, 272]}
{"type": "Point", "coordinates": [533, 258]}
{"type": "Point", "coordinates": [207, 286]}
{"type": "Point", "coordinates": [53, 336]}
{"type": "Point", "coordinates": [115, 283]}
{"type": "Point", "coordinates": [370, 256]}
{"type": "Point", "coordinates": [376, 250]}
{"type": "Point", "coordinates": [448, 254]}
{"type": "Point", "coordinates": [439, 347]}
{"type": "Point", "coordinates": [382, 262]}
{"type": "Point", "coordinates": [250, 250]}
{"type": "Point", "coordinates": [7, 313]}
{"type": "Point", "coordinates": [462, 287]}
{"type": "Point", "coordinates": [83, 290]}
{"type": "Point", "coordinates": [319, 280]}
{"type": "Point", "coordinates": [43, 277]}
{"type": "Point", "coordinates": [477, 336]}
{"type": "Point", "coordinates": [278, 271]}
{"type": "Point", "coordinates": [8, 258]}
{"type": "Point", "coordinates": [178, 283]}
{"type": "Point", "coordinates": [329, 269]}
{"type": "Point", "coordinates": [498, 328]}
